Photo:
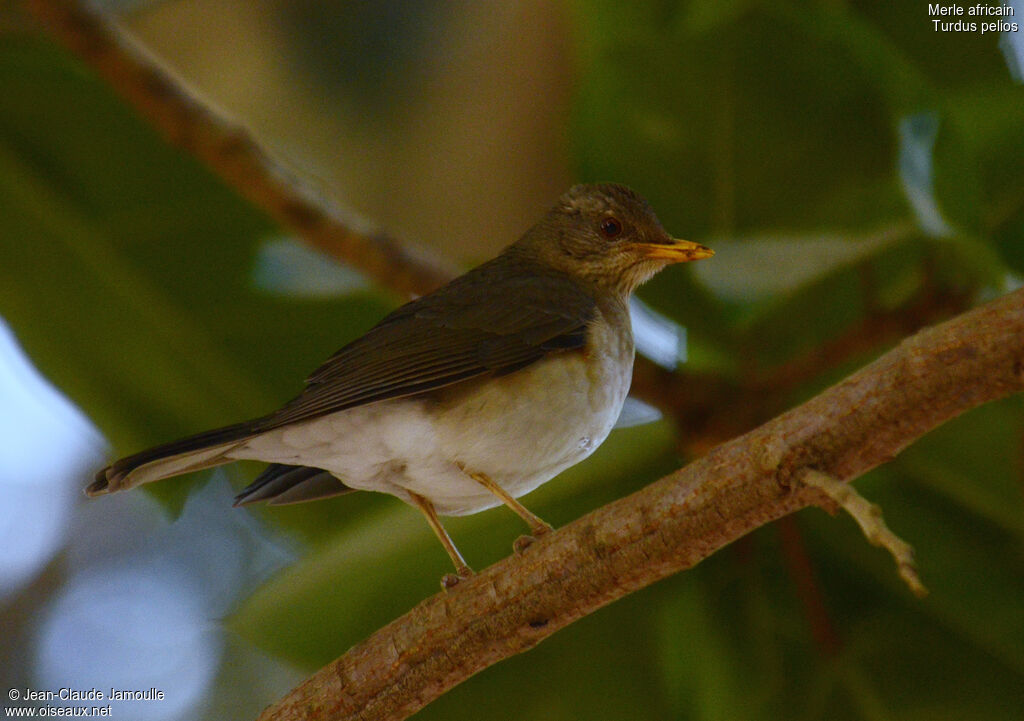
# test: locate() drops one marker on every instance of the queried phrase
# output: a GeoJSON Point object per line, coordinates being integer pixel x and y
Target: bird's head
{"type": "Point", "coordinates": [606, 236]}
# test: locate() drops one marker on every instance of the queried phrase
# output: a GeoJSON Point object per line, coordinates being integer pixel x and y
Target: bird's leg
{"type": "Point", "coordinates": [461, 568]}
{"type": "Point", "coordinates": [538, 527]}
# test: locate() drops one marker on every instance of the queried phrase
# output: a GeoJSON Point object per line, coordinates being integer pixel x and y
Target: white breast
{"type": "Point", "coordinates": [520, 429]}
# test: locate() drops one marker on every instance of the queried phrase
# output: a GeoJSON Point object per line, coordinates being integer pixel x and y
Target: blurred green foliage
{"type": "Point", "coordinates": [126, 271]}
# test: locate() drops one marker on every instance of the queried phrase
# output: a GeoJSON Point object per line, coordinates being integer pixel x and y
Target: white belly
{"type": "Point", "coordinates": [520, 430]}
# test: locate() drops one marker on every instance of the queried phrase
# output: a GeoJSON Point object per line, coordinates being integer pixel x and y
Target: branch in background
{"type": "Point", "coordinates": [711, 409]}
{"type": "Point", "coordinates": [675, 522]}
{"type": "Point", "coordinates": [708, 411]}
{"type": "Point", "coordinates": [807, 587]}
{"type": "Point", "coordinates": [231, 152]}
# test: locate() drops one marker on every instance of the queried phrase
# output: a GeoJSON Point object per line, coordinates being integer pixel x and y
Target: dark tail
{"type": "Point", "coordinates": [204, 450]}
{"type": "Point", "coordinates": [280, 484]}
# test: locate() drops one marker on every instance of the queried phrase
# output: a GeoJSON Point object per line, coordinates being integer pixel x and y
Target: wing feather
{"type": "Point", "coordinates": [498, 318]}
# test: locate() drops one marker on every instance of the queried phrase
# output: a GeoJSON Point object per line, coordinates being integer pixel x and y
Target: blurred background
{"type": "Point", "coordinates": [859, 174]}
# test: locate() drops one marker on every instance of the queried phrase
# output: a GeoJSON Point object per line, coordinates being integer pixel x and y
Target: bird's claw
{"type": "Point", "coordinates": [451, 580]}
{"type": "Point", "coordinates": [522, 543]}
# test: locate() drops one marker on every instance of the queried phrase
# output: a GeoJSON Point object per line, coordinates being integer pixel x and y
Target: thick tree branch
{"type": "Point", "coordinates": [667, 527]}
{"type": "Point", "coordinates": [675, 522]}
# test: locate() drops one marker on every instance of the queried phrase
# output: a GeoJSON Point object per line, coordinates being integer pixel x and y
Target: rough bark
{"type": "Point", "coordinates": [674, 523]}
{"type": "Point", "coordinates": [667, 527]}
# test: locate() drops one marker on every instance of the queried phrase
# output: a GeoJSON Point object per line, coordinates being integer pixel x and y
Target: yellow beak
{"type": "Point", "coordinates": [677, 251]}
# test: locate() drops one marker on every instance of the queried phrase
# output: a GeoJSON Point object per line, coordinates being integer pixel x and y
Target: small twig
{"type": "Point", "coordinates": [869, 517]}
{"type": "Point", "coordinates": [808, 587]}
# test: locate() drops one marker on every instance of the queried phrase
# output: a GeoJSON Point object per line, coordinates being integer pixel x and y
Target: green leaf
{"type": "Point", "coordinates": [974, 571]}
{"type": "Point", "coordinates": [126, 268]}
{"type": "Point", "coordinates": [738, 273]}
{"type": "Point", "coordinates": [703, 123]}
{"type": "Point", "coordinates": [700, 661]}
{"type": "Point", "coordinates": [126, 271]}
{"type": "Point", "coordinates": [972, 460]}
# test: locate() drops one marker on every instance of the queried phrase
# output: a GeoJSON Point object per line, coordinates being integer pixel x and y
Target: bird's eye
{"type": "Point", "coordinates": [611, 227]}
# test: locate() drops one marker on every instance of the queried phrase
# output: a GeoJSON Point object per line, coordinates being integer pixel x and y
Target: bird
{"type": "Point", "coordinates": [470, 396]}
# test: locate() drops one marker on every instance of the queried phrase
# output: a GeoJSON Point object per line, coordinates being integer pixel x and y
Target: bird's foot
{"type": "Point", "coordinates": [538, 529]}
{"type": "Point", "coordinates": [541, 528]}
{"type": "Point", "coordinates": [451, 580]}
{"type": "Point", "coordinates": [522, 543]}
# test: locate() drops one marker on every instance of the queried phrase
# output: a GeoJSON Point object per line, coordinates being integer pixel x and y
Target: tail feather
{"type": "Point", "coordinates": [281, 484]}
{"type": "Point", "coordinates": [204, 450]}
